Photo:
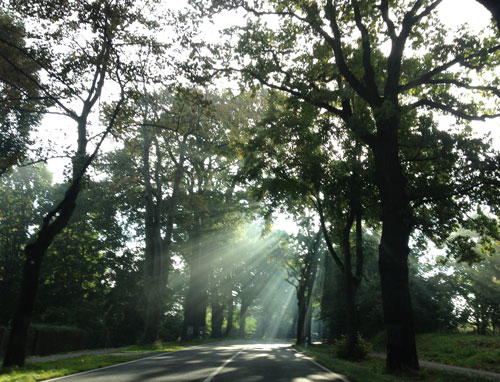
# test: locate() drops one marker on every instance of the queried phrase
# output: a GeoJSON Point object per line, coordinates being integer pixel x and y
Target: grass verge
{"type": "Point", "coordinates": [51, 369]}
{"type": "Point", "coordinates": [459, 349]}
{"type": "Point", "coordinates": [373, 369]}
{"type": "Point", "coordinates": [160, 346]}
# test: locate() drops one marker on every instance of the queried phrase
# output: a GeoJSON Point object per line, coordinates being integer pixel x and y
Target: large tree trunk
{"type": "Point", "coordinates": [351, 314]}
{"type": "Point", "coordinates": [301, 317]}
{"type": "Point", "coordinates": [230, 315]}
{"type": "Point", "coordinates": [154, 270]}
{"type": "Point", "coordinates": [304, 304]}
{"type": "Point", "coordinates": [195, 308]}
{"type": "Point", "coordinates": [54, 222]}
{"type": "Point", "coordinates": [153, 287]}
{"type": "Point", "coordinates": [393, 250]}
{"type": "Point", "coordinates": [308, 322]}
{"type": "Point", "coordinates": [217, 318]}
{"type": "Point", "coordinates": [157, 251]}
{"type": "Point", "coordinates": [245, 303]}
{"type": "Point", "coordinates": [350, 286]}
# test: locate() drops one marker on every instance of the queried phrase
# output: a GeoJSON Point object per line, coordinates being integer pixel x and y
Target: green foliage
{"type": "Point", "coordinates": [158, 346]}
{"type": "Point", "coordinates": [24, 196]}
{"type": "Point", "coordinates": [76, 276]}
{"type": "Point", "coordinates": [432, 297]}
{"type": "Point", "coordinates": [477, 288]}
{"type": "Point", "coordinates": [459, 349]}
{"type": "Point", "coordinates": [359, 352]}
{"type": "Point", "coordinates": [21, 104]}
{"type": "Point", "coordinates": [373, 369]}
{"type": "Point", "coordinates": [88, 281]}
{"type": "Point", "coordinates": [467, 350]}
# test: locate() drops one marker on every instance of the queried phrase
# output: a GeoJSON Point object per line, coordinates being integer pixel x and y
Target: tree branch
{"type": "Point", "coordinates": [427, 77]}
{"type": "Point", "coordinates": [317, 204]}
{"type": "Point", "coordinates": [450, 110]}
{"type": "Point", "coordinates": [369, 76]}
{"type": "Point", "coordinates": [384, 9]}
{"type": "Point", "coordinates": [336, 44]}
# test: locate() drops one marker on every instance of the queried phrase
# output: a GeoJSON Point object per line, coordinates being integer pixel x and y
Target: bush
{"type": "Point", "coordinates": [359, 352]}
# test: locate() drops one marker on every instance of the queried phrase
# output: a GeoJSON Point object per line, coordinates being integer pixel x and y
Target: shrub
{"type": "Point", "coordinates": [357, 353]}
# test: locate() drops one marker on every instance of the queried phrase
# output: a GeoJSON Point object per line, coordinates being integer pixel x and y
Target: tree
{"type": "Point", "coordinates": [74, 281]}
{"type": "Point", "coordinates": [159, 127]}
{"type": "Point", "coordinates": [473, 262]}
{"type": "Point", "coordinates": [294, 159]}
{"type": "Point", "coordinates": [21, 104]}
{"type": "Point", "coordinates": [25, 195]}
{"type": "Point", "coordinates": [478, 285]}
{"type": "Point", "coordinates": [390, 90]}
{"type": "Point", "coordinates": [302, 266]}
{"type": "Point", "coordinates": [212, 208]}
{"type": "Point", "coordinates": [77, 74]}
{"type": "Point", "coordinates": [157, 251]}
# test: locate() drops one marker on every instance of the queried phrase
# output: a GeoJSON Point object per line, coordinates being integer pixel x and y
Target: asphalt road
{"type": "Point", "coordinates": [230, 361]}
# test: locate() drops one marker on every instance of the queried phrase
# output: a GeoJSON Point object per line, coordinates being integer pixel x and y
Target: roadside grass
{"type": "Point", "coordinates": [32, 372]}
{"type": "Point", "coordinates": [160, 346]}
{"type": "Point", "coordinates": [373, 369]}
{"type": "Point", "coordinates": [459, 349]}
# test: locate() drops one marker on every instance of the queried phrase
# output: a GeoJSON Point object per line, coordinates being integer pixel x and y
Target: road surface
{"type": "Point", "coordinates": [229, 361]}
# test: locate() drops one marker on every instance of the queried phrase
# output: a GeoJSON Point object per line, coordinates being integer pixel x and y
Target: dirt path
{"type": "Point", "coordinates": [458, 369]}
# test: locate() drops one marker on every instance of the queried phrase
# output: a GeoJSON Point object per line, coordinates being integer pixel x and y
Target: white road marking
{"type": "Point", "coordinates": [119, 364]}
{"type": "Point", "coordinates": [105, 367]}
{"type": "Point", "coordinates": [338, 376]}
{"type": "Point", "coordinates": [219, 369]}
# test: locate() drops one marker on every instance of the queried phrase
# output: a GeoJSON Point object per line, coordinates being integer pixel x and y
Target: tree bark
{"type": "Point", "coordinates": [301, 317]}
{"type": "Point", "coordinates": [157, 251]}
{"type": "Point", "coordinates": [350, 282]}
{"type": "Point", "coordinates": [351, 314]}
{"type": "Point", "coordinates": [153, 288]}
{"type": "Point", "coordinates": [217, 319]}
{"type": "Point", "coordinates": [195, 308]}
{"type": "Point", "coordinates": [54, 222]}
{"type": "Point", "coordinates": [308, 322]}
{"type": "Point", "coordinates": [245, 303]}
{"type": "Point", "coordinates": [397, 223]}
{"type": "Point", "coordinates": [230, 315]}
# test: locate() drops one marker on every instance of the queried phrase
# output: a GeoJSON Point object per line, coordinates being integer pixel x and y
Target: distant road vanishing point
{"type": "Point", "coordinates": [228, 361]}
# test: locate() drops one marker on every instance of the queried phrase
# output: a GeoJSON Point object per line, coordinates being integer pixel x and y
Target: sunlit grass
{"type": "Point", "coordinates": [66, 366]}
{"type": "Point", "coordinates": [32, 372]}
{"type": "Point", "coordinates": [373, 369]}
{"type": "Point", "coordinates": [468, 350]}
{"type": "Point", "coordinates": [459, 349]}
{"type": "Point", "coordinates": [160, 346]}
